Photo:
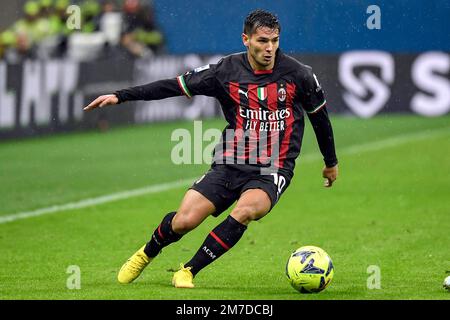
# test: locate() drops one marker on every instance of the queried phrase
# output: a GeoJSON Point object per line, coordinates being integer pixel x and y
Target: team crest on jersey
{"type": "Point", "coordinates": [262, 93]}
{"type": "Point", "coordinates": [281, 94]}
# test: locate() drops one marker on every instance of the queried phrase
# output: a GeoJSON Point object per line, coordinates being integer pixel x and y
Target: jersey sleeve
{"type": "Point", "coordinates": [311, 93]}
{"type": "Point", "coordinates": [157, 90]}
{"type": "Point", "coordinates": [200, 81]}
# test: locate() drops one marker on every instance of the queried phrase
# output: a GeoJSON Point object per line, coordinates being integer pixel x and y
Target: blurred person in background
{"type": "Point", "coordinates": [109, 6]}
{"type": "Point", "coordinates": [38, 29]}
{"type": "Point", "coordinates": [53, 28]}
{"type": "Point", "coordinates": [43, 30]}
{"type": "Point", "coordinates": [140, 35]}
{"type": "Point", "coordinates": [8, 43]}
{"type": "Point", "coordinates": [49, 21]}
{"type": "Point", "coordinates": [27, 31]}
{"type": "Point", "coordinates": [111, 21]}
{"type": "Point", "coordinates": [60, 14]}
{"type": "Point", "coordinates": [90, 11]}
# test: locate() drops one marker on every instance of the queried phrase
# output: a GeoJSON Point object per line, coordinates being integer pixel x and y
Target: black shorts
{"type": "Point", "coordinates": [223, 184]}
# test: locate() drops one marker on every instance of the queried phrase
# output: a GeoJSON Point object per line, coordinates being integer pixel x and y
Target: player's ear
{"type": "Point", "coordinates": [245, 39]}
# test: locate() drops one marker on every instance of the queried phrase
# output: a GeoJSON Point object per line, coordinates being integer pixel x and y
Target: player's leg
{"type": "Point", "coordinates": [258, 196]}
{"type": "Point", "coordinates": [208, 195]}
{"type": "Point", "coordinates": [193, 210]}
{"type": "Point", "coordinates": [253, 204]}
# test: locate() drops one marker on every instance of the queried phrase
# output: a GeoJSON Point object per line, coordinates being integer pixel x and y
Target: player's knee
{"type": "Point", "coordinates": [247, 214]}
{"type": "Point", "coordinates": [183, 223]}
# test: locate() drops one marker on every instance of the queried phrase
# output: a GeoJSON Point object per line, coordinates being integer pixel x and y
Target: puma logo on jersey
{"type": "Point", "coordinates": [245, 93]}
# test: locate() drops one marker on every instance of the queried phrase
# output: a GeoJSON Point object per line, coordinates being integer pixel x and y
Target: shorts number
{"type": "Point", "coordinates": [279, 181]}
{"type": "Point", "coordinates": [317, 81]}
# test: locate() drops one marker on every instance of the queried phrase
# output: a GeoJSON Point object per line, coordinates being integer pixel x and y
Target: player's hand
{"type": "Point", "coordinates": [102, 101]}
{"type": "Point", "coordinates": [330, 175]}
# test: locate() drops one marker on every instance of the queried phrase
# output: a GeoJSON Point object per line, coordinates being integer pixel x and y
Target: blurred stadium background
{"type": "Point", "coordinates": [48, 71]}
{"type": "Point", "coordinates": [385, 87]}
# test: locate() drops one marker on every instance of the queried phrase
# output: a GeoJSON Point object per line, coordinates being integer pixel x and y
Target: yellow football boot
{"type": "Point", "coordinates": [134, 266]}
{"type": "Point", "coordinates": [183, 278]}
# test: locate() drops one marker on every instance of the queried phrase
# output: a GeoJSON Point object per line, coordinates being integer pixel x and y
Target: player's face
{"type": "Point", "coordinates": [262, 46]}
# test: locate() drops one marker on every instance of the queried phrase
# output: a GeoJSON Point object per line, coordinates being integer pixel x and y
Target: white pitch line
{"type": "Point", "coordinates": [396, 140]}
{"type": "Point", "coordinates": [351, 150]}
{"type": "Point", "coordinates": [382, 144]}
{"type": "Point", "coordinates": [98, 200]}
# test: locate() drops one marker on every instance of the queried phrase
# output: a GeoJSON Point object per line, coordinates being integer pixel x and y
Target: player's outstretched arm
{"type": "Point", "coordinates": [102, 101]}
{"type": "Point", "coordinates": [157, 90]}
{"type": "Point", "coordinates": [193, 83]}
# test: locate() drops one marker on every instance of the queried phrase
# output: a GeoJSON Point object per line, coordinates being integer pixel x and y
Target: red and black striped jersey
{"type": "Point", "coordinates": [264, 109]}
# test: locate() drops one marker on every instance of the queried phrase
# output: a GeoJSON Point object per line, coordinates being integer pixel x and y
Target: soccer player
{"type": "Point", "coordinates": [263, 94]}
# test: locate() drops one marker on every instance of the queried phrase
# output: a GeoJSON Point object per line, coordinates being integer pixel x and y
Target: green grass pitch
{"type": "Point", "coordinates": [390, 208]}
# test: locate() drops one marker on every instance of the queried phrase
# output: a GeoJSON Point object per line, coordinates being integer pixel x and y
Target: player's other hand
{"type": "Point", "coordinates": [330, 175]}
{"type": "Point", "coordinates": [102, 101]}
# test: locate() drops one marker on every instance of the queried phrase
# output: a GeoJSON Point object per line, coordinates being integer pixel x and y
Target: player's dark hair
{"type": "Point", "coordinates": [260, 18]}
